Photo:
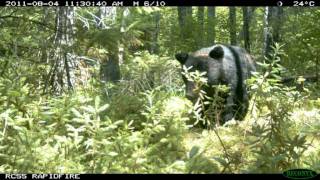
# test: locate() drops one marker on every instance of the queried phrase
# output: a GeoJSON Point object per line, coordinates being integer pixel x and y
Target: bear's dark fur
{"type": "Point", "coordinates": [223, 64]}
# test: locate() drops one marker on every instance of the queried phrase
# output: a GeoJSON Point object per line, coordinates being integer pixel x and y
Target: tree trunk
{"type": "Point", "coordinates": [124, 15]}
{"type": "Point", "coordinates": [211, 30]}
{"type": "Point", "coordinates": [277, 22]}
{"type": "Point", "coordinates": [155, 34]}
{"type": "Point", "coordinates": [246, 31]}
{"type": "Point", "coordinates": [233, 25]}
{"type": "Point", "coordinates": [103, 12]}
{"type": "Point", "coordinates": [182, 13]}
{"type": "Point", "coordinates": [189, 11]}
{"type": "Point", "coordinates": [154, 48]}
{"type": "Point", "coordinates": [185, 21]}
{"type": "Point", "coordinates": [43, 42]}
{"type": "Point", "coordinates": [106, 15]}
{"type": "Point", "coordinates": [110, 67]}
{"type": "Point", "coordinates": [62, 73]}
{"type": "Point", "coordinates": [267, 33]}
{"type": "Point", "coordinates": [272, 22]}
{"type": "Point", "coordinates": [200, 17]}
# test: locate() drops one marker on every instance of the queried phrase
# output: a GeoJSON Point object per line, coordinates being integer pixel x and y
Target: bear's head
{"type": "Point", "coordinates": [208, 61]}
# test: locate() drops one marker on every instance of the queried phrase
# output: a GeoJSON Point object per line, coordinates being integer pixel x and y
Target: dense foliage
{"type": "Point", "coordinates": [143, 123]}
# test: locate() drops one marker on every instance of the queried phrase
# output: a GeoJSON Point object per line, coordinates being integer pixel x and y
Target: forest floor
{"type": "Point", "coordinates": [232, 139]}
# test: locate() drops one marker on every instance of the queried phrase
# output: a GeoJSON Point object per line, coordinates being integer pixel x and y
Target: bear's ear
{"type": "Point", "coordinates": [216, 53]}
{"type": "Point", "coordinates": [182, 57]}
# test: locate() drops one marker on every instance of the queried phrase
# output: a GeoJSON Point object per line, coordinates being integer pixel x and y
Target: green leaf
{"type": "Point", "coordinates": [103, 108]}
{"type": "Point", "coordinates": [76, 113]}
{"type": "Point", "coordinates": [113, 154]}
{"type": "Point", "coordinates": [131, 26]}
{"type": "Point", "coordinates": [194, 151]}
{"type": "Point", "coordinates": [221, 161]}
{"type": "Point", "coordinates": [89, 109]}
{"type": "Point", "coordinates": [97, 102]}
{"type": "Point", "coordinates": [14, 93]}
{"type": "Point", "coordinates": [118, 122]}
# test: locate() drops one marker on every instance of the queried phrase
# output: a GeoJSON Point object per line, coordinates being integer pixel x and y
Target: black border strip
{"type": "Point", "coordinates": [158, 3]}
{"type": "Point", "coordinates": [138, 176]}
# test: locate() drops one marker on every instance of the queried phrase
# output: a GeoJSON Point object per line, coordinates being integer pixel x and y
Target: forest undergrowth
{"type": "Point", "coordinates": [143, 124]}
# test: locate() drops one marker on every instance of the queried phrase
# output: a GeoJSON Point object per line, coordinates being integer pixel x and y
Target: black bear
{"type": "Point", "coordinates": [223, 64]}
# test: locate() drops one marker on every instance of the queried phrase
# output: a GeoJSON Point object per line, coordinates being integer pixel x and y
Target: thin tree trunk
{"type": "Point", "coordinates": [277, 24]}
{"type": "Point", "coordinates": [125, 13]}
{"type": "Point", "coordinates": [106, 14]}
{"type": "Point", "coordinates": [110, 66]}
{"type": "Point", "coordinates": [154, 49]}
{"type": "Point", "coordinates": [189, 11]}
{"type": "Point", "coordinates": [182, 14]}
{"type": "Point", "coordinates": [155, 34]}
{"type": "Point", "coordinates": [267, 32]}
{"type": "Point", "coordinates": [43, 42]}
{"type": "Point", "coordinates": [246, 31]}
{"type": "Point", "coordinates": [211, 30]}
{"type": "Point", "coordinates": [200, 17]}
{"type": "Point", "coordinates": [233, 25]}
{"type": "Point", "coordinates": [185, 21]}
{"type": "Point", "coordinates": [272, 22]}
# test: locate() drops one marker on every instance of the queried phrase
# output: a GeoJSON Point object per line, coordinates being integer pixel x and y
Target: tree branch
{"type": "Point", "coordinates": [30, 20]}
